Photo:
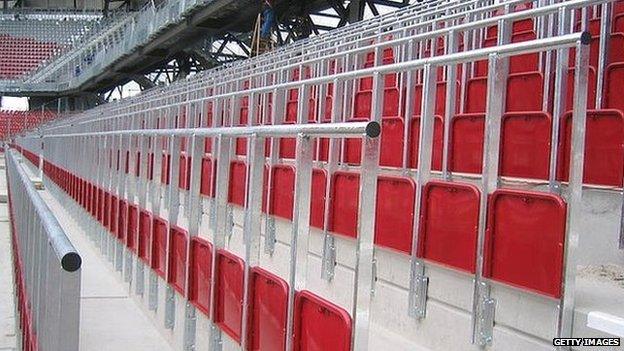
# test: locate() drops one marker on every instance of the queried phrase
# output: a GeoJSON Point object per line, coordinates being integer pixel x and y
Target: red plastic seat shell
{"type": "Point", "coordinates": [525, 240]}
{"type": "Point", "coordinates": [229, 294]}
{"type": "Point", "coordinates": [200, 262]}
{"type": "Point", "coordinates": [267, 311]}
{"type": "Point", "coordinates": [320, 325]}
{"type": "Point", "coordinates": [394, 223]}
{"type": "Point", "coordinates": [176, 275]}
{"type": "Point", "coordinates": [449, 223]}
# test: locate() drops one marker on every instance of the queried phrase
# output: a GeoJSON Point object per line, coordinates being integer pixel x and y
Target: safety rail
{"type": "Point", "coordinates": [277, 68]}
{"type": "Point", "coordinates": [138, 161]}
{"type": "Point", "coordinates": [305, 134]}
{"type": "Point", "coordinates": [46, 267]}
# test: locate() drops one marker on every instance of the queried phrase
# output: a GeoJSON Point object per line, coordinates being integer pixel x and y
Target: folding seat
{"type": "Point", "coordinates": [100, 206]}
{"type": "Point", "coordinates": [184, 173]}
{"type": "Point", "coordinates": [238, 183]}
{"type": "Point", "coordinates": [207, 123]}
{"type": "Point", "coordinates": [448, 224]}
{"type": "Point", "coordinates": [132, 228]}
{"type": "Point", "coordinates": [615, 50]}
{"type": "Point", "coordinates": [440, 107]}
{"type": "Point", "coordinates": [391, 151]}
{"type": "Point", "coordinates": [107, 210]}
{"type": "Point", "coordinates": [165, 167]}
{"type": "Point", "coordinates": [114, 214]}
{"type": "Point", "coordinates": [525, 240]}
{"type": "Point", "coordinates": [122, 220]}
{"type": "Point", "coordinates": [345, 189]}
{"type": "Point", "coordinates": [159, 246]}
{"type": "Point", "coordinates": [618, 25]}
{"type": "Point", "coordinates": [282, 191]}
{"type": "Point", "coordinates": [519, 26]}
{"type": "Point", "coordinates": [207, 187]}
{"type": "Point", "coordinates": [241, 143]}
{"type": "Point", "coordinates": [614, 85]}
{"type": "Point", "coordinates": [317, 201]}
{"type": "Point", "coordinates": [604, 148]}
{"type": "Point", "coordinates": [525, 92]}
{"type": "Point", "coordinates": [466, 143]}
{"type": "Point", "coordinates": [517, 63]}
{"type": "Point", "coordinates": [292, 104]}
{"type": "Point", "coordinates": [394, 213]}
{"type": "Point", "coordinates": [438, 142]}
{"type": "Point", "coordinates": [267, 311]}
{"type": "Point", "coordinates": [178, 239]}
{"type": "Point", "coordinates": [200, 262]}
{"type": "Point", "coordinates": [320, 325]}
{"type": "Point", "coordinates": [525, 145]}
{"type": "Point", "coordinates": [229, 294]}
{"type": "Point", "coordinates": [364, 94]}
{"type": "Point", "coordinates": [591, 88]}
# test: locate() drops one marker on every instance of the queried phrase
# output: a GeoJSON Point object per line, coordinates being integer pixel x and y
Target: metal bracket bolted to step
{"type": "Point", "coordinates": [269, 236]}
{"type": "Point", "coordinates": [485, 320]}
{"type": "Point", "coordinates": [329, 258]}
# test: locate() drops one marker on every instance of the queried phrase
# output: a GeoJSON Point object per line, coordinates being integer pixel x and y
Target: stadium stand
{"type": "Point", "coordinates": [427, 179]}
{"type": "Point", "coordinates": [29, 41]}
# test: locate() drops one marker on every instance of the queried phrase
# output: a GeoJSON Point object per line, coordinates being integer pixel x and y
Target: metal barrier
{"type": "Point", "coordinates": [47, 268]}
{"type": "Point", "coordinates": [132, 152]}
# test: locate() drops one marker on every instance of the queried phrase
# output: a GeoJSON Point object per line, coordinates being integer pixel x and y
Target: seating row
{"type": "Point", "coordinates": [448, 222]}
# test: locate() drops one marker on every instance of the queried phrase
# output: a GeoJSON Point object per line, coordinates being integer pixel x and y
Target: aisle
{"type": "Point", "coordinates": [110, 320]}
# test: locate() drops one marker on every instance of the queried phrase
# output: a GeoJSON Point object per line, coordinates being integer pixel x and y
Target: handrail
{"type": "Point", "coordinates": [47, 268]}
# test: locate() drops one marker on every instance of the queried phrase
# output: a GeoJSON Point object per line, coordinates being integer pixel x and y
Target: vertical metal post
{"type": "Point", "coordinates": [575, 189]}
{"type": "Point", "coordinates": [300, 229]}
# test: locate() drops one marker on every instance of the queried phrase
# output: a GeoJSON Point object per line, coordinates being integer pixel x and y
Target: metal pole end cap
{"type": "Point", "coordinates": [71, 262]}
{"type": "Point", "coordinates": [373, 129]}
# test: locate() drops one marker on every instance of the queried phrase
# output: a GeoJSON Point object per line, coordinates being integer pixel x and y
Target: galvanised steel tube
{"type": "Point", "coordinates": [513, 49]}
{"type": "Point", "coordinates": [67, 255]}
{"type": "Point", "coordinates": [47, 267]}
{"type": "Point", "coordinates": [337, 130]}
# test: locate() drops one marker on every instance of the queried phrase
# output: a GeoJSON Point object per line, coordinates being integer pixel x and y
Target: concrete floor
{"type": "Point", "coordinates": [109, 319]}
{"type": "Point", "coordinates": [7, 302]}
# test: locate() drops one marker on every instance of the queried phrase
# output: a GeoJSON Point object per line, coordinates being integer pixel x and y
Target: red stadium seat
{"type": "Point", "coordinates": [267, 311]}
{"type": "Point", "coordinates": [145, 236]}
{"type": "Point", "coordinates": [122, 219]}
{"type": "Point", "coordinates": [438, 142]}
{"type": "Point", "coordinates": [207, 187]}
{"type": "Point", "coordinates": [394, 224]}
{"type": "Point", "coordinates": [440, 107]}
{"type": "Point", "coordinates": [525, 92]}
{"type": "Point", "coordinates": [200, 262]}
{"type": "Point", "coordinates": [238, 183]}
{"type": "Point", "coordinates": [614, 85]}
{"type": "Point", "coordinates": [229, 294]}
{"type": "Point", "coordinates": [132, 228]}
{"type": "Point", "coordinates": [317, 203]}
{"type": "Point", "coordinates": [344, 203]}
{"type": "Point", "coordinates": [466, 143]}
{"type": "Point", "coordinates": [604, 148]}
{"type": "Point", "coordinates": [525, 240]}
{"type": "Point", "coordinates": [283, 189]}
{"type": "Point", "coordinates": [159, 246]}
{"type": "Point", "coordinates": [449, 222]}
{"type": "Point", "coordinates": [178, 239]}
{"type": "Point", "coordinates": [320, 325]}
{"type": "Point", "coordinates": [184, 173]}
{"type": "Point", "coordinates": [392, 140]}
{"type": "Point", "coordinates": [525, 145]}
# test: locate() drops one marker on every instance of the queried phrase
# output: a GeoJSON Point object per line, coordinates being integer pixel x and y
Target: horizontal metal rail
{"type": "Point", "coordinates": [47, 267]}
{"type": "Point", "coordinates": [539, 45]}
